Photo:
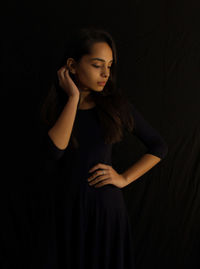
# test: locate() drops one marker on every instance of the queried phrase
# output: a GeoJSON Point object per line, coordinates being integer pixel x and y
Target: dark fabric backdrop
{"type": "Point", "coordinates": [158, 46]}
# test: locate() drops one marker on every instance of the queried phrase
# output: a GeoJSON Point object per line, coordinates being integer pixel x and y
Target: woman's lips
{"type": "Point", "coordinates": [101, 83]}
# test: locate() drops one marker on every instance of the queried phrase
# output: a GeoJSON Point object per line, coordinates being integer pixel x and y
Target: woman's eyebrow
{"type": "Point", "coordinates": [99, 59]}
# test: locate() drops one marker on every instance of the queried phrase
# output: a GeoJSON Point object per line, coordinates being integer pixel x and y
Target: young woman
{"type": "Point", "coordinates": [85, 113]}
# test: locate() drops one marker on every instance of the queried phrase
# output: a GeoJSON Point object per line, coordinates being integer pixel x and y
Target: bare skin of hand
{"type": "Point", "coordinates": [110, 177]}
{"type": "Point", "coordinates": [66, 83]}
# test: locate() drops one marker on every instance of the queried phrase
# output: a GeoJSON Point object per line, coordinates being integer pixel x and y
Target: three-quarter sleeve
{"type": "Point", "coordinates": [150, 137]}
{"type": "Point", "coordinates": [49, 150]}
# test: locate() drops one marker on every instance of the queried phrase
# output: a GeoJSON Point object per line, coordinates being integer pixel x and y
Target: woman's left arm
{"type": "Point", "coordinates": [157, 147]}
{"type": "Point", "coordinates": [139, 168]}
{"type": "Point", "coordinates": [156, 150]}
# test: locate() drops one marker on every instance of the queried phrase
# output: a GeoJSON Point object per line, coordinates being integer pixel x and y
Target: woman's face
{"type": "Point", "coordinates": [94, 67]}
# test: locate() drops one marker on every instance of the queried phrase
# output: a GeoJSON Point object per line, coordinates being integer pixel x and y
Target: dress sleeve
{"type": "Point", "coordinates": [150, 137]}
{"type": "Point", "coordinates": [49, 150]}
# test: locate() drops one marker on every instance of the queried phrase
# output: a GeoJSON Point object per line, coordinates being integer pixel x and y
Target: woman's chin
{"type": "Point", "coordinates": [100, 87]}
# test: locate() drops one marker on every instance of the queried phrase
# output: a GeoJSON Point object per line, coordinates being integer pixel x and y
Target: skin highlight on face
{"type": "Point", "coordinates": [92, 68]}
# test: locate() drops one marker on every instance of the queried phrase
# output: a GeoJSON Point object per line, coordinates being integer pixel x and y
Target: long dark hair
{"type": "Point", "coordinates": [113, 106]}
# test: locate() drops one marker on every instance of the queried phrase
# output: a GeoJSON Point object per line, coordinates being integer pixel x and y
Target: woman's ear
{"type": "Point", "coordinates": [71, 65]}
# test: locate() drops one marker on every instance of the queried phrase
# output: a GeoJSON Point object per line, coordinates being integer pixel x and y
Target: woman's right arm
{"type": "Point", "coordinates": [57, 138]}
{"type": "Point", "coordinates": [61, 131]}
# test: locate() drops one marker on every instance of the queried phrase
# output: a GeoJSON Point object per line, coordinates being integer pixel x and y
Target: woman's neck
{"type": "Point", "coordinates": [86, 101]}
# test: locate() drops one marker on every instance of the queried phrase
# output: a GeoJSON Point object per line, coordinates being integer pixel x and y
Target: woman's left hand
{"type": "Point", "coordinates": [99, 179]}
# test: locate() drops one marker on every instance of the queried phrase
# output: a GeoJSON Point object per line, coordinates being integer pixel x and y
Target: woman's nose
{"type": "Point", "coordinates": [105, 73]}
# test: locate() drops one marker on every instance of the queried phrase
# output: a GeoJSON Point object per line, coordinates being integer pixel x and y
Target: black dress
{"type": "Point", "coordinates": [92, 225]}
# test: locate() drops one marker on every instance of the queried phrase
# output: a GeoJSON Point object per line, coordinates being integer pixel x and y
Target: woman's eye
{"type": "Point", "coordinates": [97, 66]}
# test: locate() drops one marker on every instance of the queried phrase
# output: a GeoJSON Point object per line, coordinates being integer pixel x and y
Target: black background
{"type": "Point", "coordinates": [158, 44]}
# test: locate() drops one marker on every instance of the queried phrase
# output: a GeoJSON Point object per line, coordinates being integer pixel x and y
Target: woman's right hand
{"type": "Point", "coordinates": [66, 83]}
